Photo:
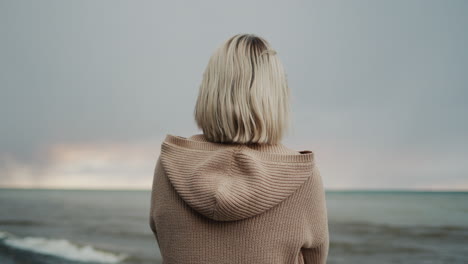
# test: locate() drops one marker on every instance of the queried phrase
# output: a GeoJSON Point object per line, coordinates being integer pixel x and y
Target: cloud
{"type": "Point", "coordinates": [107, 166]}
{"type": "Point", "coordinates": [381, 100]}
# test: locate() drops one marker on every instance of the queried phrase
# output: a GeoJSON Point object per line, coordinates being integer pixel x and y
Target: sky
{"type": "Point", "coordinates": [89, 89]}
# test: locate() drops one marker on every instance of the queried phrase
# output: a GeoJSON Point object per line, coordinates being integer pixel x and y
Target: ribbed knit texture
{"type": "Point", "coordinates": [235, 203]}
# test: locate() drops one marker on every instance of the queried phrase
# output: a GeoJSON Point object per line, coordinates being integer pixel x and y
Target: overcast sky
{"type": "Point", "coordinates": [89, 89]}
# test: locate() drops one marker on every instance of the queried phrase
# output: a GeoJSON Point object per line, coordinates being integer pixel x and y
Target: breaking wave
{"type": "Point", "coordinates": [61, 248]}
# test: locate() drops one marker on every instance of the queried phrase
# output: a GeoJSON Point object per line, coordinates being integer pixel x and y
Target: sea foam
{"type": "Point", "coordinates": [60, 248]}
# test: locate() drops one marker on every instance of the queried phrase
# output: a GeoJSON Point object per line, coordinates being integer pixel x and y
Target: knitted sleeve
{"type": "Point", "coordinates": [316, 244]}
{"type": "Point", "coordinates": [316, 254]}
{"type": "Point", "coordinates": [152, 202]}
{"type": "Point", "coordinates": [153, 227]}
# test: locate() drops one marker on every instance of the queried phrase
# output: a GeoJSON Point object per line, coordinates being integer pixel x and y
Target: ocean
{"type": "Point", "coordinates": [97, 226]}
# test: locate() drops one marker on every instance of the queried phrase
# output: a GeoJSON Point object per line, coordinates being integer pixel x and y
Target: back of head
{"type": "Point", "coordinates": [244, 95]}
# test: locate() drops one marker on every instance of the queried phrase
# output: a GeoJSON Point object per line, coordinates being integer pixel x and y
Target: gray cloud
{"type": "Point", "coordinates": [378, 80]}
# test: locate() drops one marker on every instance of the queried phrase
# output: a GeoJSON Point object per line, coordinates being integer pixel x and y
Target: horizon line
{"type": "Point", "coordinates": [326, 189]}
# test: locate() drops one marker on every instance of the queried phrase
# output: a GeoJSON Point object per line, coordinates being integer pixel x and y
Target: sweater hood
{"type": "Point", "coordinates": [227, 182]}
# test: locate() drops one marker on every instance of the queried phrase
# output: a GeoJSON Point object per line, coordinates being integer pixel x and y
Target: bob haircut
{"type": "Point", "coordinates": [244, 95]}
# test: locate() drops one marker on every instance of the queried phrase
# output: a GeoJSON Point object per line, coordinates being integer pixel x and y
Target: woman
{"type": "Point", "coordinates": [236, 194]}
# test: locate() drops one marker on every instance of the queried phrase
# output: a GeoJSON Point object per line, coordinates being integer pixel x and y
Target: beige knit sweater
{"type": "Point", "coordinates": [233, 203]}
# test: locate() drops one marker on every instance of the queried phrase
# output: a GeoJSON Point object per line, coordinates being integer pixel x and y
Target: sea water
{"type": "Point", "coordinates": [95, 226]}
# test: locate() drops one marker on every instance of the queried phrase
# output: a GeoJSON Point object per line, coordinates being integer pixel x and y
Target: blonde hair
{"type": "Point", "coordinates": [244, 94]}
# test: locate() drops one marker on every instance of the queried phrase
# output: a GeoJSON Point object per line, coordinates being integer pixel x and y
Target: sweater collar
{"type": "Point", "coordinates": [273, 148]}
